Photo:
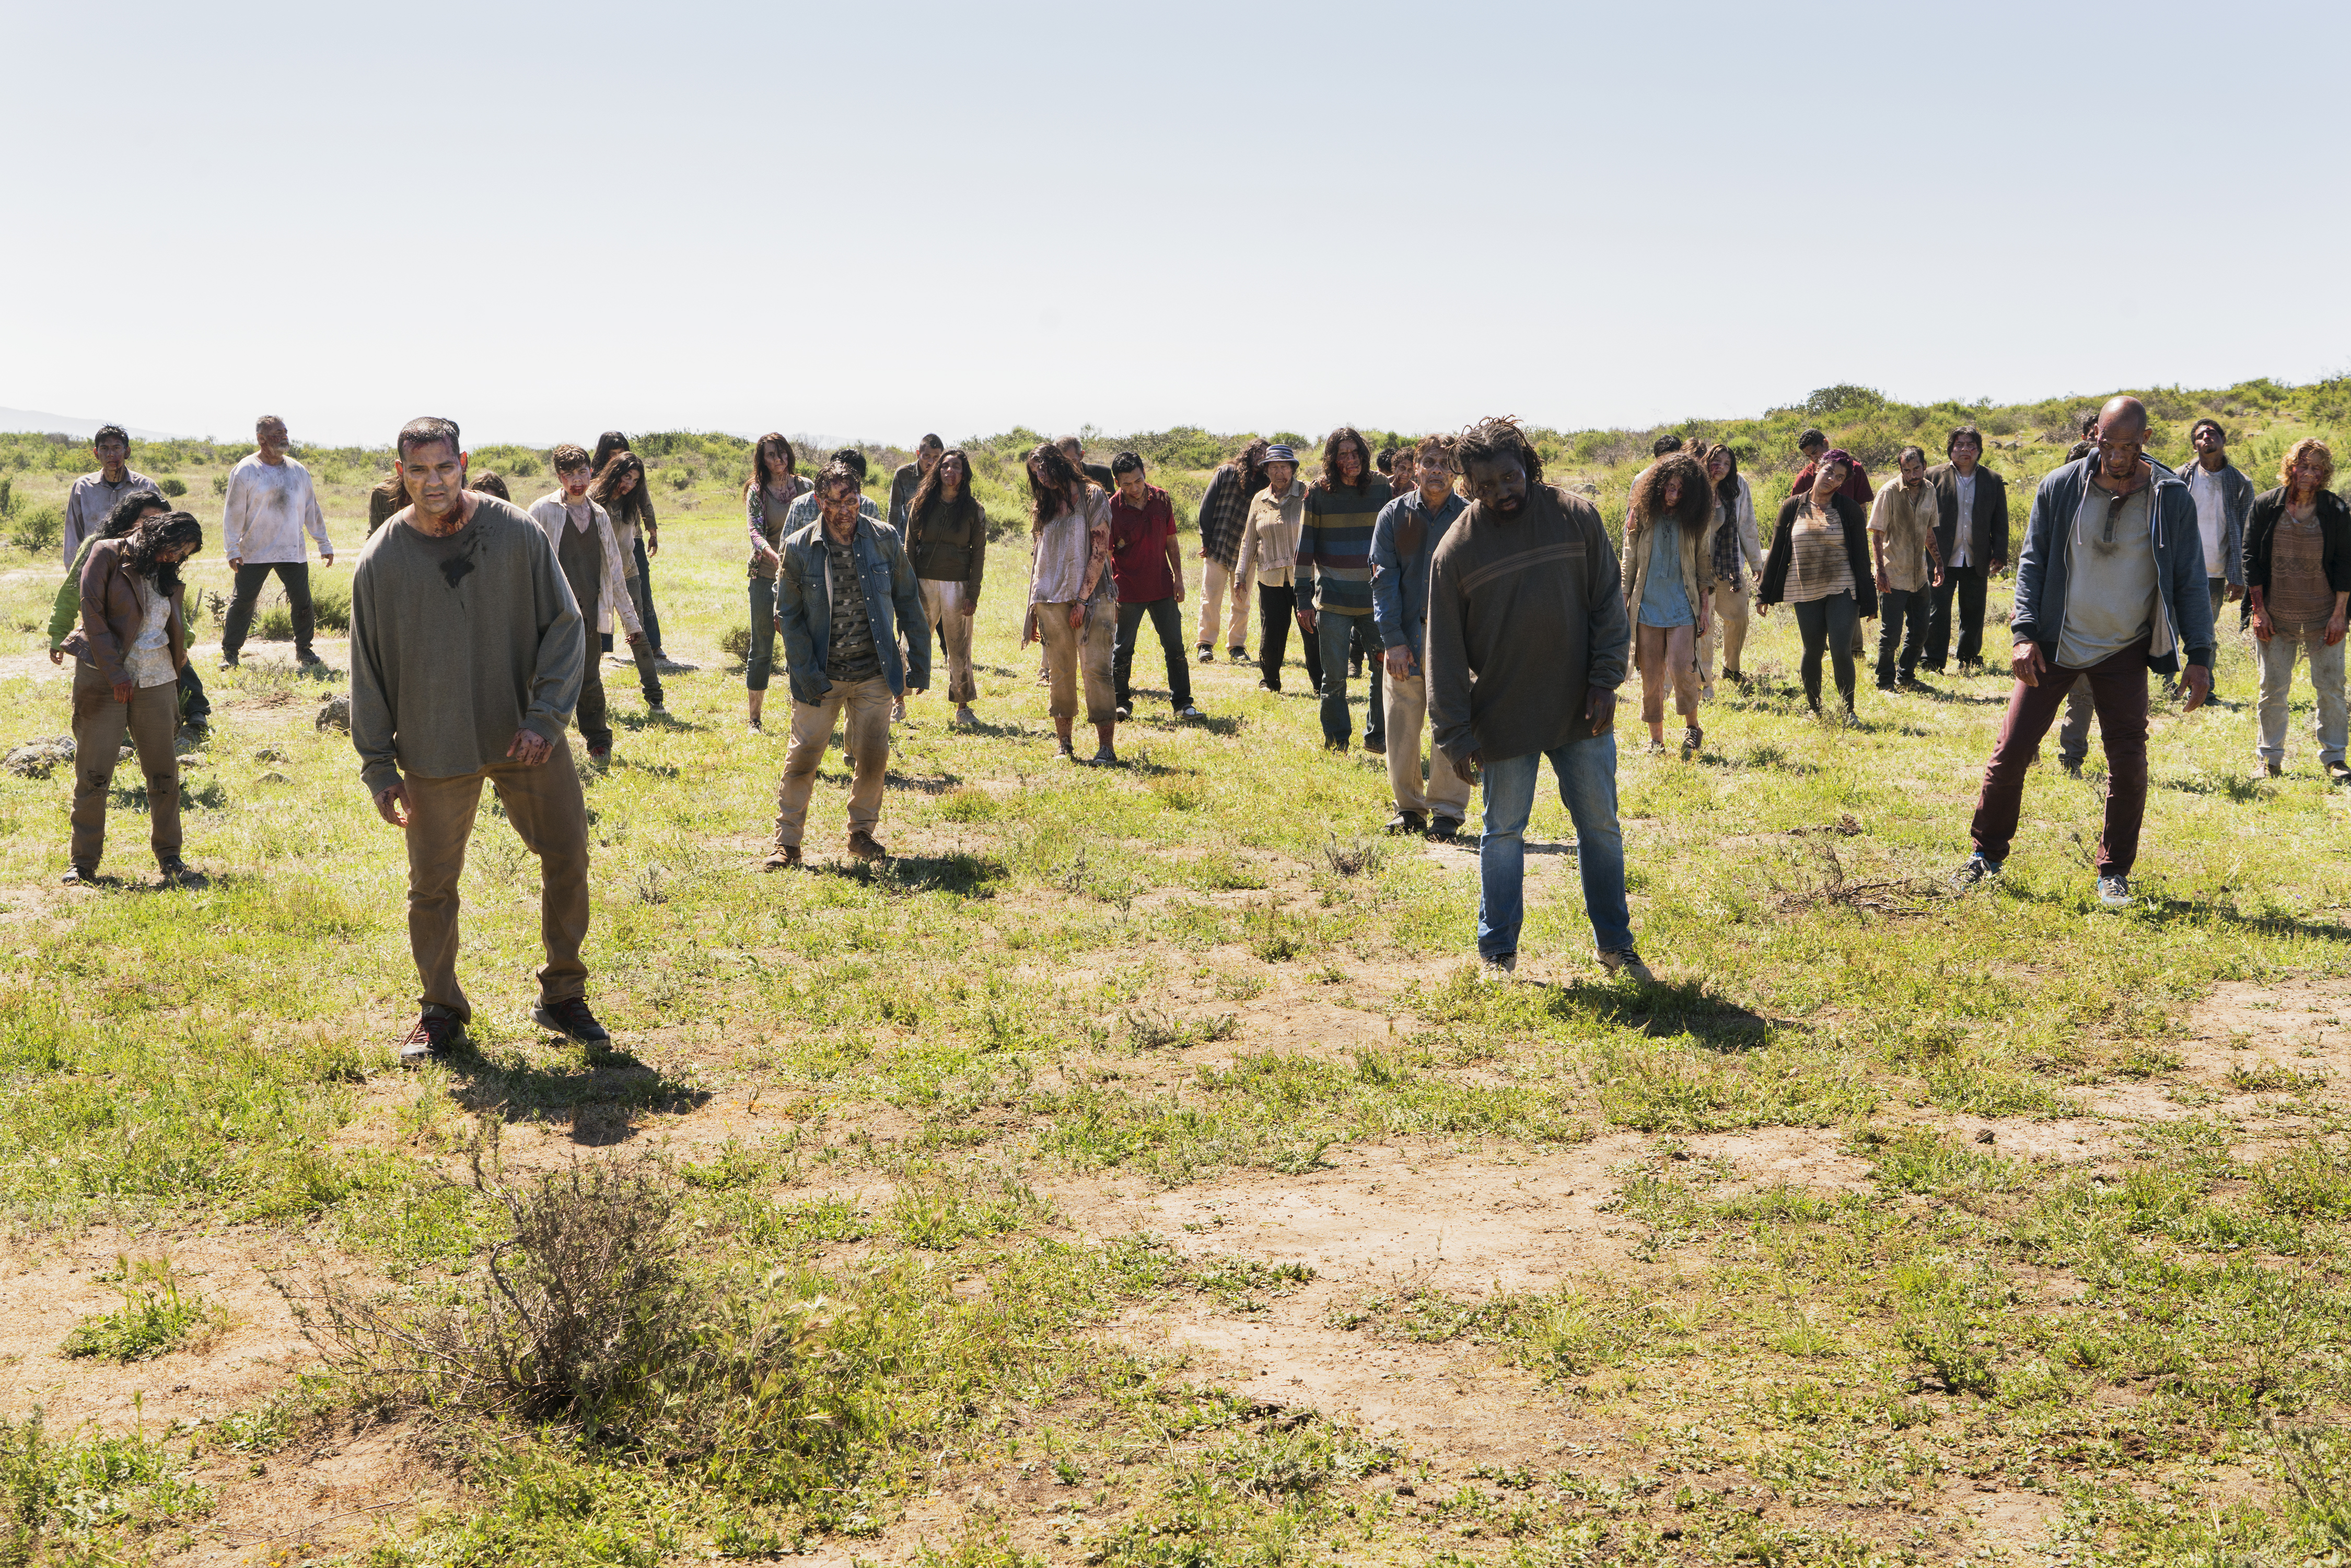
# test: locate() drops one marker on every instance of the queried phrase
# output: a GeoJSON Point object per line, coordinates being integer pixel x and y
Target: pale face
{"type": "Point", "coordinates": [628, 482]}
{"type": "Point", "coordinates": [1827, 482]}
{"type": "Point", "coordinates": [1718, 465]}
{"type": "Point", "coordinates": [575, 481]}
{"type": "Point", "coordinates": [271, 442]}
{"type": "Point", "coordinates": [1436, 482]}
{"type": "Point", "coordinates": [1351, 459]}
{"type": "Point", "coordinates": [1277, 476]}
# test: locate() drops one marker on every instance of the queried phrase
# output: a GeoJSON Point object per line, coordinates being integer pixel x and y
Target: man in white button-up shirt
{"type": "Point", "coordinates": [270, 506]}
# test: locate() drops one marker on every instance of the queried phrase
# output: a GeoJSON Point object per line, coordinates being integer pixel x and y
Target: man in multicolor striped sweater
{"type": "Point", "coordinates": [1335, 541]}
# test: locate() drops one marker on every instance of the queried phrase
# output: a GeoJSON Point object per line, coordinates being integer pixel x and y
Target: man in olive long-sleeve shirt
{"type": "Point", "coordinates": [467, 652]}
{"type": "Point", "coordinates": [1527, 635]}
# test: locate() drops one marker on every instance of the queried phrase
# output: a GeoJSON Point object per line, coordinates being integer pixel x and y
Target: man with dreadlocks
{"type": "Point", "coordinates": [1527, 635]}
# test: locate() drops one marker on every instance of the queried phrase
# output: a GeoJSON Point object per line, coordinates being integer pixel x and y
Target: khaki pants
{"type": "Point", "coordinates": [1667, 656]}
{"type": "Point", "coordinates": [549, 817]}
{"type": "Point", "coordinates": [1080, 654]}
{"type": "Point", "coordinates": [1214, 582]}
{"type": "Point", "coordinates": [942, 612]}
{"type": "Point", "coordinates": [151, 719]}
{"type": "Point", "coordinates": [863, 709]}
{"type": "Point", "coordinates": [1731, 604]}
{"type": "Point", "coordinates": [1446, 793]}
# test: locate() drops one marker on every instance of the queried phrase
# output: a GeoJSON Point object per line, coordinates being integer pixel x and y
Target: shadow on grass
{"type": "Point", "coordinates": [2225, 917]}
{"type": "Point", "coordinates": [595, 1098]}
{"type": "Point", "coordinates": [921, 783]}
{"type": "Point", "coordinates": [958, 872]}
{"type": "Point", "coordinates": [1665, 1009]}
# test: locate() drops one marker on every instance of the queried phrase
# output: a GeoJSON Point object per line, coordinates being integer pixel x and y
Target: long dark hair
{"type": "Point", "coordinates": [927, 494]}
{"type": "Point", "coordinates": [151, 538]}
{"type": "Point", "coordinates": [1063, 487]}
{"type": "Point", "coordinates": [1251, 461]}
{"type": "Point", "coordinates": [1726, 490]}
{"type": "Point", "coordinates": [1330, 456]}
{"type": "Point", "coordinates": [127, 512]}
{"type": "Point", "coordinates": [391, 487]}
{"type": "Point", "coordinates": [606, 488]}
{"type": "Point", "coordinates": [773, 441]}
{"type": "Point", "coordinates": [611, 441]}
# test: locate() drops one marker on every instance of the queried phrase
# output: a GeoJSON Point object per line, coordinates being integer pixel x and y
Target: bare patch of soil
{"type": "Point", "coordinates": [332, 1489]}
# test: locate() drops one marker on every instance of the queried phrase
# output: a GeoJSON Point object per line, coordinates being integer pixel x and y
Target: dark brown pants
{"type": "Point", "coordinates": [550, 817]}
{"type": "Point", "coordinates": [2118, 688]}
{"type": "Point", "coordinates": [151, 719]}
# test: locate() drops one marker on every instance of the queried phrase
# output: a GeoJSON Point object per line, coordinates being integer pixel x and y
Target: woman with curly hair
{"type": "Point", "coordinates": [1072, 600]}
{"type": "Point", "coordinates": [768, 497]}
{"type": "Point", "coordinates": [2298, 584]}
{"type": "Point", "coordinates": [1669, 575]}
{"type": "Point", "coordinates": [128, 654]}
{"type": "Point", "coordinates": [1820, 564]}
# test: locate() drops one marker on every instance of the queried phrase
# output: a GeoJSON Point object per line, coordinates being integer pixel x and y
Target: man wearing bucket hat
{"type": "Point", "coordinates": [1269, 558]}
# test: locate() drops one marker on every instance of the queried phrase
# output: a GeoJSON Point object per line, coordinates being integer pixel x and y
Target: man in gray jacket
{"type": "Point", "coordinates": [1405, 537]}
{"type": "Point", "coordinates": [1527, 639]}
{"type": "Point", "coordinates": [2110, 585]}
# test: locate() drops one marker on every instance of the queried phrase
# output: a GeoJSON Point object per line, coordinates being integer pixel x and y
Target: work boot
{"type": "Point", "coordinates": [863, 846]}
{"type": "Point", "coordinates": [783, 858]}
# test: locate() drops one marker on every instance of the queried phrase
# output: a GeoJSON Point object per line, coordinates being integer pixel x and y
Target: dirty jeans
{"type": "Point", "coordinates": [1167, 621]}
{"type": "Point", "coordinates": [1336, 637]}
{"type": "Point", "coordinates": [1078, 656]}
{"type": "Point", "coordinates": [1666, 657]}
{"type": "Point", "coordinates": [151, 719]}
{"type": "Point", "coordinates": [943, 611]}
{"type": "Point", "coordinates": [1587, 787]}
{"type": "Point", "coordinates": [1446, 793]}
{"type": "Point", "coordinates": [2118, 688]}
{"type": "Point", "coordinates": [1731, 604]}
{"type": "Point", "coordinates": [2327, 722]}
{"type": "Point", "coordinates": [863, 709]}
{"type": "Point", "coordinates": [1902, 634]}
{"type": "Point", "coordinates": [548, 814]}
{"type": "Point", "coordinates": [1214, 582]}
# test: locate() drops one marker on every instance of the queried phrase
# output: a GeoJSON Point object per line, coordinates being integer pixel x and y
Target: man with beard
{"type": "Point", "coordinates": [1527, 635]}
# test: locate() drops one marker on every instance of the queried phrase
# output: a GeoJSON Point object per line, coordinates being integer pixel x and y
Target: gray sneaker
{"type": "Point", "coordinates": [1625, 961]}
{"type": "Point", "coordinates": [2113, 892]}
{"type": "Point", "coordinates": [1980, 868]}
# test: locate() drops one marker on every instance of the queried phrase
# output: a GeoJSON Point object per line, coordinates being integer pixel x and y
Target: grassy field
{"type": "Point", "coordinates": [1134, 1171]}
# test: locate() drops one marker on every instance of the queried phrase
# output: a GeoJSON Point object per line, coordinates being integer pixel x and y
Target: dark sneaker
{"type": "Point", "coordinates": [2113, 892]}
{"type": "Point", "coordinates": [785, 858]}
{"type": "Point", "coordinates": [2266, 769]}
{"type": "Point", "coordinates": [1376, 746]}
{"type": "Point", "coordinates": [1887, 685]}
{"type": "Point", "coordinates": [1123, 712]}
{"type": "Point", "coordinates": [1445, 828]}
{"type": "Point", "coordinates": [1335, 746]}
{"type": "Point", "coordinates": [864, 847]}
{"type": "Point", "coordinates": [2071, 765]}
{"type": "Point", "coordinates": [429, 1037]}
{"type": "Point", "coordinates": [308, 662]}
{"type": "Point", "coordinates": [176, 874]}
{"type": "Point", "coordinates": [1692, 740]}
{"type": "Point", "coordinates": [1625, 961]}
{"type": "Point", "coordinates": [2339, 772]}
{"type": "Point", "coordinates": [570, 1017]}
{"type": "Point", "coordinates": [1187, 712]}
{"type": "Point", "coordinates": [1498, 966]}
{"type": "Point", "coordinates": [1981, 868]}
{"type": "Point", "coordinates": [1205, 653]}
{"type": "Point", "coordinates": [1237, 653]}
{"type": "Point", "coordinates": [1268, 687]}
{"type": "Point", "coordinates": [1104, 757]}
{"type": "Point", "coordinates": [76, 876]}
{"type": "Point", "coordinates": [1408, 822]}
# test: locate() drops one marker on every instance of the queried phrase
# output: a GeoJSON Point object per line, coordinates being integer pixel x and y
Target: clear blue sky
{"type": "Point", "coordinates": [875, 219]}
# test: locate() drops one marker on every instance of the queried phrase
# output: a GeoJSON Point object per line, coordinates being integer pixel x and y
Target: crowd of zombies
{"type": "Point", "coordinates": [1487, 612]}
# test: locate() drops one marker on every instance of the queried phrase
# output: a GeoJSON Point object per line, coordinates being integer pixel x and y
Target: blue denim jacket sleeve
{"type": "Point", "coordinates": [803, 659]}
{"type": "Point", "coordinates": [1387, 581]}
{"type": "Point", "coordinates": [2059, 493]}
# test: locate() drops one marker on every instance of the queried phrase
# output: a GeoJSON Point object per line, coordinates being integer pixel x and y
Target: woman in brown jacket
{"type": "Point", "coordinates": [128, 654]}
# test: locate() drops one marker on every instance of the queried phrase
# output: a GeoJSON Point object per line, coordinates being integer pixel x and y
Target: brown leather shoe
{"type": "Point", "coordinates": [861, 845]}
{"type": "Point", "coordinates": [785, 858]}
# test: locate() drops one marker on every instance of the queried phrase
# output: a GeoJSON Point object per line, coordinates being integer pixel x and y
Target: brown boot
{"type": "Point", "coordinates": [786, 857]}
{"type": "Point", "coordinates": [861, 845]}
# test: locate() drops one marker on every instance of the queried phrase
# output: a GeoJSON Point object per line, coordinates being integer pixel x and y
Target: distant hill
{"type": "Point", "coordinates": [25, 419]}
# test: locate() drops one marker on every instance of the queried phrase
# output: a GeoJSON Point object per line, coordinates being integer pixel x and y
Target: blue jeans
{"type": "Point", "coordinates": [1587, 787]}
{"type": "Point", "coordinates": [1335, 635]}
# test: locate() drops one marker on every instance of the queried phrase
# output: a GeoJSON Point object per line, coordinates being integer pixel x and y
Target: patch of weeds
{"type": "Point", "coordinates": [81, 1499]}
{"type": "Point", "coordinates": [1150, 1028]}
{"type": "Point", "coordinates": [1918, 1159]}
{"type": "Point", "coordinates": [970, 803]}
{"type": "Point", "coordinates": [155, 1318]}
{"type": "Point", "coordinates": [2271, 1077]}
{"type": "Point", "coordinates": [1272, 935]}
{"type": "Point", "coordinates": [938, 1210]}
{"type": "Point", "coordinates": [1238, 1282]}
{"type": "Point", "coordinates": [1240, 988]}
{"type": "Point", "coordinates": [732, 1166]}
{"type": "Point", "coordinates": [1361, 857]}
{"type": "Point", "coordinates": [1223, 871]}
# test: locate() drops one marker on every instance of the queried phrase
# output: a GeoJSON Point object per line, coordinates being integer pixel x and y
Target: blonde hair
{"type": "Point", "coordinates": [2311, 446]}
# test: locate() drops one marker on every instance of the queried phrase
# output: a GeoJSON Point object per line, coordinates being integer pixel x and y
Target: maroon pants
{"type": "Point", "coordinates": [2118, 691]}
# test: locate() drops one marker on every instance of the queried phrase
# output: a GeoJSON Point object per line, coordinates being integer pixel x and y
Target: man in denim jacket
{"type": "Point", "coordinates": [1403, 541]}
{"type": "Point", "coordinates": [2110, 585]}
{"type": "Point", "coordinates": [843, 587]}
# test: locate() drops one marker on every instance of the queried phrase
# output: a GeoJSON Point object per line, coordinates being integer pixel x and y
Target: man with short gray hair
{"type": "Point", "coordinates": [269, 507]}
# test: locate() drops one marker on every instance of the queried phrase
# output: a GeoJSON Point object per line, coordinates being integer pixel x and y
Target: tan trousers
{"type": "Point", "coordinates": [550, 818]}
{"type": "Point", "coordinates": [151, 719]}
{"type": "Point", "coordinates": [863, 709]}
{"type": "Point", "coordinates": [943, 610]}
{"type": "Point", "coordinates": [1731, 604]}
{"type": "Point", "coordinates": [1216, 581]}
{"type": "Point", "coordinates": [1080, 654]}
{"type": "Point", "coordinates": [1666, 655]}
{"type": "Point", "coordinates": [1446, 793]}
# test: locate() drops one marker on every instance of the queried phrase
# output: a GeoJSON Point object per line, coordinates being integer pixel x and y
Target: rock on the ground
{"type": "Point", "coordinates": [270, 754]}
{"type": "Point", "coordinates": [337, 713]}
{"type": "Point", "coordinates": [35, 758]}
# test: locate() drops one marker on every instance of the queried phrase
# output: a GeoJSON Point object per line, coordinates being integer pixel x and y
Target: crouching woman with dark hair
{"type": "Point", "coordinates": [128, 654]}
